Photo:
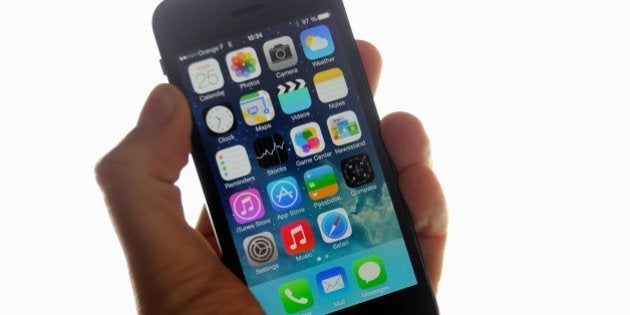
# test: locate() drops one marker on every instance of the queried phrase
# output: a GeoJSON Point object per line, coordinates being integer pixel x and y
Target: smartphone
{"type": "Point", "coordinates": [302, 195]}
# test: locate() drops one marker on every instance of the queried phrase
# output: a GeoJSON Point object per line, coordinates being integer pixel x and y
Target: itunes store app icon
{"type": "Point", "coordinates": [247, 206]}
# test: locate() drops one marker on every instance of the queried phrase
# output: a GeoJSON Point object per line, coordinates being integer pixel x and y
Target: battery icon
{"type": "Point", "coordinates": [323, 16]}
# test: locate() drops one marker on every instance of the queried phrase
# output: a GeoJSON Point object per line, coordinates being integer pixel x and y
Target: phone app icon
{"type": "Point", "coordinates": [247, 206]}
{"type": "Point", "coordinates": [297, 237]}
{"type": "Point", "coordinates": [307, 139]}
{"type": "Point", "coordinates": [330, 85]}
{"type": "Point", "coordinates": [233, 162]}
{"type": "Point", "coordinates": [334, 225]}
{"type": "Point", "coordinates": [260, 249]}
{"type": "Point", "coordinates": [317, 42]}
{"type": "Point", "coordinates": [344, 128]}
{"type": "Point", "coordinates": [294, 96]}
{"type": "Point", "coordinates": [284, 194]}
{"type": "Point", "coordinates": [296, 296]}
{"type": "Point", "coordinates": [243, 64]}
{"type": "Point", "coordinates": [357, 170]}
{"type": "Point", "coordinates": [369, 271]}
{"type": "Point", "coordinates": [321, 182]}
{"type": "Point", "coordinates": [270, 150]}
{"type": "Point", "coordinates": [257, 108]}
{"type": "Point", "coordinates": [206, 76]}
{"type": "Point", "coordinates": [280, 53]}
{"type": "Point", "coordinates": [333, 280]}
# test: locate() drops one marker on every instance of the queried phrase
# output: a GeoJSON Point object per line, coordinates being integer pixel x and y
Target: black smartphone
{"type": "Point", "coordinates": [302, 195]}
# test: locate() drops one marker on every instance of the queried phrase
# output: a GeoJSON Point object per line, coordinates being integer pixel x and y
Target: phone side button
{"type": "Point", "coordinates": [162, 65]}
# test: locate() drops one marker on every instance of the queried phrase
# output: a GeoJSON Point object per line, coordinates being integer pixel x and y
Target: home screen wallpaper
{"type": "Point", "coordinates": [293, 160]}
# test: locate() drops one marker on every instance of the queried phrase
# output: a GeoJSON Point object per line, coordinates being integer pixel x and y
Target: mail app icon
{"type": "Point", "coordinates": [332, 280]}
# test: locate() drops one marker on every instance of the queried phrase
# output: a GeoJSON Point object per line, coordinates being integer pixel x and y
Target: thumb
{"type": "Point", "coordinates": [137, 178]}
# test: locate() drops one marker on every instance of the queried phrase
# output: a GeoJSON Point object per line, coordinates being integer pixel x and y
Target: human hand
{"type": "Point", "coordinates": [175, 268]}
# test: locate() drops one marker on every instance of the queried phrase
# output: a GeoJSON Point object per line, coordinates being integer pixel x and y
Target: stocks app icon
{"type": "Point", "coordinates": [260, 249]}
{"type": "Point", "coordinates": [270, 150]}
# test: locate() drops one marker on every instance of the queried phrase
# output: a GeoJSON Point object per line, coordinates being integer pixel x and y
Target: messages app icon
{"type": "Point", "coordinates": [317, 42]}
{"type": "Point", "coordinates": [369, 271]}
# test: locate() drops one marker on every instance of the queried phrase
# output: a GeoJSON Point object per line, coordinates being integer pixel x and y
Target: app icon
{"type": "Point", "coordinates": [219, 119]}
{"type": "Point", "coordinates": [296, 296]}
{"type": "Point", "coordinates": [344, 128]}
{"type": "Point", "coordinates": [330, 85]}
{"type": "Point", "coordinates": [206, 76]}
{"type": "Point", "coordinates": [297, 237]}
{"type": "Point", "coordinates": [317, 42]}
{"type": "Point", "coordinates": [280, 53]}
{"type": "Point", "coordinates": [260, 249]}
{"type": "Point", "coordinates": [332, 280]}
{"type": "Point", "coordinates": [294, 96]}
{"type": "Point", "coordinates": [307, 139]}
{"type": "Point", "coordinates": [233, 162]}
{"type": "Point", "coordinates": [369, 271]}
{"type": "Point", "coordinates": [257, 108]}
{"type": "Point", "coordinates": [243, 64]}
{"type": "Point", "coordinates": [334, 225]}
{"type": "Point", "coordinates": [321, 182]}
{"type": "Point", "coordinates": [270, 150]}
{"type": "Point", "coordinates": [357, 170]}
{"type": "Point", "coordinates": [247, 206]}
{"type": "Point", "coordinates": [284, 194]}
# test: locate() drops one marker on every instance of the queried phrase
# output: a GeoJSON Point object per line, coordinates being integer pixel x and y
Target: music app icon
{"type": "Point", "coordinates": [247, 206]}
{"type": "Point", "coordinates": [297, 237]}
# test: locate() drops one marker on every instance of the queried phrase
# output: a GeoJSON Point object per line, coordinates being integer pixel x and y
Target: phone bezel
{"type": "Point", "coordinates": [181, 25]}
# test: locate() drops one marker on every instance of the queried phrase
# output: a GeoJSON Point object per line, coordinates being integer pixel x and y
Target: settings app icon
{"type": "Point", "coordinates": [260, 248]}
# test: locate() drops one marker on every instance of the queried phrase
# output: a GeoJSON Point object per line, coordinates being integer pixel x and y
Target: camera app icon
{"type": "Point", "coordinates": [280, 53]}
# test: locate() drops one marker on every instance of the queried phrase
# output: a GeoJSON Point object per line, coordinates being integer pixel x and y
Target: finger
{"type": "Point", "coordinates": [408, 146]}
{"type": "Point", "coordinates": [372, 62]}
{"type": "Point", "coordinates": [204, 227]}
{"type": "Point", "coordinates": [137, 179]}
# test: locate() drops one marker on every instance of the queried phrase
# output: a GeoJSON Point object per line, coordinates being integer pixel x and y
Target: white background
{"type": "Point", "coordinates": [526, 103]}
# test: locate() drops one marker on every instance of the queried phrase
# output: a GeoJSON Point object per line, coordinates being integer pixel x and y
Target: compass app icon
{"type": "Point", "coordinates": [334, 225]}
{"type": "Point", "coordinates": [284, 194]}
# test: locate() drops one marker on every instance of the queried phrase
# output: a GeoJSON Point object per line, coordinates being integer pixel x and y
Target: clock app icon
{"type": "Point", "coordinates": [220, 119]}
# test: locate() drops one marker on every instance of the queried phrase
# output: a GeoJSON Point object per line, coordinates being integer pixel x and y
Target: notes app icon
{"type": "Point", "coordinates": [247, 206]}
{"type": "Point", "coordinates": [330, 85]}
{"type": "Point", "coordinates": [297, 237]}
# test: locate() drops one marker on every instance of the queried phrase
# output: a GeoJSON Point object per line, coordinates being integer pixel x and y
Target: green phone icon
{"type": "Point", "coordinates": [296, 295]}
{"type": "Point", "coordinates": [369, 271]}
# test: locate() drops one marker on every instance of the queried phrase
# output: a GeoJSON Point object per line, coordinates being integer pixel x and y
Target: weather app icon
{"type": "Point", "coordinates": [317, 42]}
{"type": "Point", "coordinates": [284, 194]}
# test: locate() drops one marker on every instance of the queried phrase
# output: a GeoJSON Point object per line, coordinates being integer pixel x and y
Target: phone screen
{"type": "Point", "coordinates": [291, 155]}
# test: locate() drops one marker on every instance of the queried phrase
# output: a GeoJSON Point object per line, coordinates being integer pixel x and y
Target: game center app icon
{"type": "Point", "coordinates": [257, 108]}
{"type": "Point", "coordinates": [260, 249]}
{"type": "Point", "coordinates": [321, 182]}
{"type": "Point", "coordinates": [243, 64]}
{"type": "Point", "coordinates": [284, 194]}
{"type": "Point", "coordinates": [280, 53]}
{"type": "Point", "coordinates": [297, 237]}
{"type": "Point", "coordinates": [317, 42]}
{"type": "Point", "coordinates": [344, 128]}
{"type": "Point", "coordinates": [334, 225]}
{"type": "Point", "coordinates": [307, 139]}
{"type": "Point", "coordinates": [296, 296]}
{"type": "Point", "coordinates": [206, 76]}
{"type": "Point", "coordinates": [247, 206]}
{"type": "Point", "coordinates": [357, 170]}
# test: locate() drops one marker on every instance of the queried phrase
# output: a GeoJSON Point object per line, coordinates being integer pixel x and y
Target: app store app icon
{"type": "Point", "coordinates": [284, 194]}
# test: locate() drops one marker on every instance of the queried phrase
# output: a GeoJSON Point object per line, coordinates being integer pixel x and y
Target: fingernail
{"type": "Point", "coordinates": [159, 107]}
